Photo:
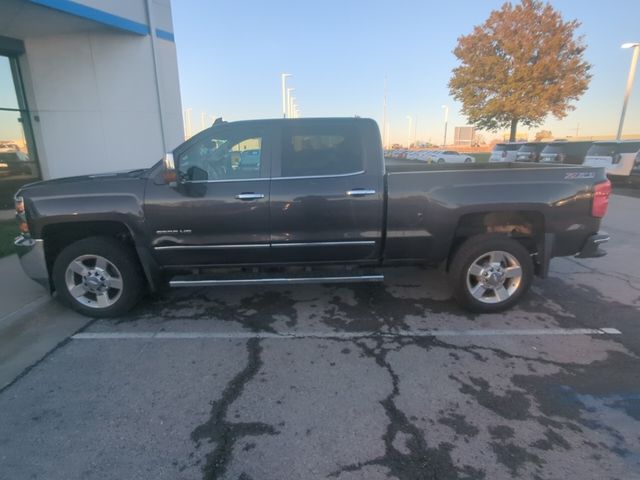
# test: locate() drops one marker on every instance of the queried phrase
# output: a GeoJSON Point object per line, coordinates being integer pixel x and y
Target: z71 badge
{"type": "Point", "coordinates": [579, 175]}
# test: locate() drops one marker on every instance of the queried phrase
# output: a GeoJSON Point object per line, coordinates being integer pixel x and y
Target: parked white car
{"type": "Point", "coordinates": [449, 156]}
{"type": "Point", "coordinates": [618, 158]}
{"type": "Point", "coordinates": [505, 152]}
{"type": "Point", "coordinates": [423, 155]}
{"type": "Point", "coordinates": [9, 147]}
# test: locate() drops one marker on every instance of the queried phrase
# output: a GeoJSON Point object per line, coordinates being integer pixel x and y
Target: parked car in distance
{"type": "Point", "coordinates": [530, 152]}
{"type": "Point", "coordinates": [317, 204]}
{"type": "Point", "coordinates": [504, 152]}
{"type": "Point", "coordinates": [562, 151]}
{"type": "Point", "coordinates": [617, 158]}
{"type": "Point", "coordinates": [423, 155]}
{"type": "Point", "coordinates": [449, 156]}
{"type": "Point", "coordinates": [8, 147]}
{"type": "Point", "coordinates": [16, 163]}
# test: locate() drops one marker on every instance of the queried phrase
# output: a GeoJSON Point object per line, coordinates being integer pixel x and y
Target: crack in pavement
{"type": "Point", "coordinates": [415, 459]}
{"type": "Point", "coordinates": [225, 434]}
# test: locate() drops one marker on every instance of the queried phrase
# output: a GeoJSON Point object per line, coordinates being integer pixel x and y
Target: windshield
{"type": "Point", "coordinates": [527, 149]}
{"type": "Point", "coordinates": [553, 149]}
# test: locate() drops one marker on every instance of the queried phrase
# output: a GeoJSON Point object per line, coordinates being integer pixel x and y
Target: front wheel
{"type": "Point", "coordinates": [490, 273]}
{"type": "Point", "coordinates": [98, 277]}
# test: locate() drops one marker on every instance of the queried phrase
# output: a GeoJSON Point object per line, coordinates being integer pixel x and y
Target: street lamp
{"type": "Point", "coordinates": [187, 123]}
{"type": "Point", "coordinates": [284, 90]}
{"type": "Point", "coordinates": [409, 133]}
{"type": "Point", "coordinates": [289, 102]}
{"type": "Point", "coordinates": [627, 91]}
{"type": "Point", "coordinates": [446, 119]}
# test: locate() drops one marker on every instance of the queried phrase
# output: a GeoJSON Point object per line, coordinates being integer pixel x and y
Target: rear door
{"type": "Point", "coordinates": [327, 192]}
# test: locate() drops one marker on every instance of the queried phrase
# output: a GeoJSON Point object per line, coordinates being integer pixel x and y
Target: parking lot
{"type": "Point", "coordinates": [346, 381]}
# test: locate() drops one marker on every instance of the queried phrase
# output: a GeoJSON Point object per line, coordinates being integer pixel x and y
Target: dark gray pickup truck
{"type": "Point", "coordinates": [299, 201]}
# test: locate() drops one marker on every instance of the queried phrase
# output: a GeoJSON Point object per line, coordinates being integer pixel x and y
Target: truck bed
{"type": "Point", "coordinates": [428, 203]}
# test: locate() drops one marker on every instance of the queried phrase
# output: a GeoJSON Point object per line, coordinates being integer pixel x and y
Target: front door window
{"type": "Point", "coordinates": [18, 163]}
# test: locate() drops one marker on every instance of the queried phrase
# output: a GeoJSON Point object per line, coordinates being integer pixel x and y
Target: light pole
{"type": "Point", "coordinates": [292, 111]}
{"type": "Point", "coordinates": [627, 91]}
{"type": "Point", "coordinates": [409, 133]}
{"type": "Point", "coordinates": [283, 77]}
{"type": "Point", "coordinates": [187, 123]}
{"type": "Point", "coordinates": [289, 90]}
{"type": "Point", "coordinates": [446, 120]}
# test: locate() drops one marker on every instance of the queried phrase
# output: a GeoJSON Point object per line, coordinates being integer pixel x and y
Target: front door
{"type": "Point", "coordinates": [219, 212]}
{"type": "Point", "coordinates": [326, 201]}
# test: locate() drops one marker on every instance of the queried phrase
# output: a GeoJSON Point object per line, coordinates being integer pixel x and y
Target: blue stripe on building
{"type": "Point", "coordinates": [164, 35]}
{"type": "Point", "coordinates": [99, 16]}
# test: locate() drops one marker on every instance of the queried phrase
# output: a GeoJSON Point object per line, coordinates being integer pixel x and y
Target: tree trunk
{"type": "Point", "coordinates": [514, 128]}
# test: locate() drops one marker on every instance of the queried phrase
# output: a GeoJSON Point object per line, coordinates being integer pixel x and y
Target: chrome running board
{"type": "Point", "coordinates": [221, 282]}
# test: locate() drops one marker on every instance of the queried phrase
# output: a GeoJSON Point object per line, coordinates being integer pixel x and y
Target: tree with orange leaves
{"type": "Point", "coordinates": [522, 64]}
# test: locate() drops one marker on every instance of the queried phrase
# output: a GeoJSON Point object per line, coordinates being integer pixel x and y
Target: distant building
{"type": "Point", "coordinates": [464, 135]}
{"type": "Point", "coordinates": [86, 86]}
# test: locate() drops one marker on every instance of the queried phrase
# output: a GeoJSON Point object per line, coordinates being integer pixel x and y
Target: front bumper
{"type": "Point", "coordinates": [591, 248]}
{"type": "Point", "coordinates": [32, 258]}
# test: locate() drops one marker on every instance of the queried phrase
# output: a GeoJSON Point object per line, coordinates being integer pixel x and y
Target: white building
{"type": "Point", "coordinates": [86, 86]}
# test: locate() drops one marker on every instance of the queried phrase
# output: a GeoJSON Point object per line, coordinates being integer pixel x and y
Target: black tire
{"type": "Point", "coordinates": [472, 250]}
{"type": "Point", "coordinates": [441, 160]}
{"type": "Point", "coordinates": [127, 271]}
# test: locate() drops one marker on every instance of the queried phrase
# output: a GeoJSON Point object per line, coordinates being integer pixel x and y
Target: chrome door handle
{"type": "Point", "coordinates": [361, 192]}
{"type": "Point", "coordinates": [250, 196]}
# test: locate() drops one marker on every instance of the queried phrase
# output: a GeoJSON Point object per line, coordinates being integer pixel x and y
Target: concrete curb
{"type": "Point", "coordinates": [27, 309]}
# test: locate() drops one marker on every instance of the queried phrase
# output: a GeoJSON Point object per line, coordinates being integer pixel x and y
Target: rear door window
{"type": "Point", "coordinates": [320, 151]}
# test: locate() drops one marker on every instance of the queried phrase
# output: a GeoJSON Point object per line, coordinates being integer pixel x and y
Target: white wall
{"type": "Point", "coordinates": [95, 96]}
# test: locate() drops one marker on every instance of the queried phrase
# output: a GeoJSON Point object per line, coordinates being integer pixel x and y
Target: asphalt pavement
{"type": "Point", "coordinates": [346, 382]}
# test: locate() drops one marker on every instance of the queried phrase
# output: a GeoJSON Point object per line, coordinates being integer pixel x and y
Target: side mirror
{"type": "Point", "coordinates": [170, 174]}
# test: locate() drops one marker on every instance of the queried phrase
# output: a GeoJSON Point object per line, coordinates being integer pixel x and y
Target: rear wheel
{"type": "Point", "coordinates": [441, 160]}
{"type": "Point", "coordinates": [490, 273]}
{"type": "Point", "coordinates": [98, 277]}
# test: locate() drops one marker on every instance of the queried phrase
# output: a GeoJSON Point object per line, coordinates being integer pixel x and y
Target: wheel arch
{"type": "Point", "coordinates": [525, 226]}
{"type": "Point", "coordinates": [57, 236]}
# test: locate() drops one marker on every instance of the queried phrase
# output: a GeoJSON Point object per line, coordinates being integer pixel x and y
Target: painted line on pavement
{"type": "Point", "coordinates": [342, 335]}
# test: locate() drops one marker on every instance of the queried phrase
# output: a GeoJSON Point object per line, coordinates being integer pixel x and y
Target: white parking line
{"type": "Point", "coordinates": [344, 335]}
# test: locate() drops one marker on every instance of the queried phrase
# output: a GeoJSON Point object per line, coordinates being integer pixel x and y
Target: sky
{"type": "Point", "coordinates": [231, 54]}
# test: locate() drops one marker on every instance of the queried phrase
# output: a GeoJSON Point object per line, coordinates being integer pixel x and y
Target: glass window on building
{"type": "Point", "coordinates": [18, 162]}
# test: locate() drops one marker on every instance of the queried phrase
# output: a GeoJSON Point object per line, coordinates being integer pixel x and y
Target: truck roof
{"type": "Point", "coordinates": [302, 121]}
